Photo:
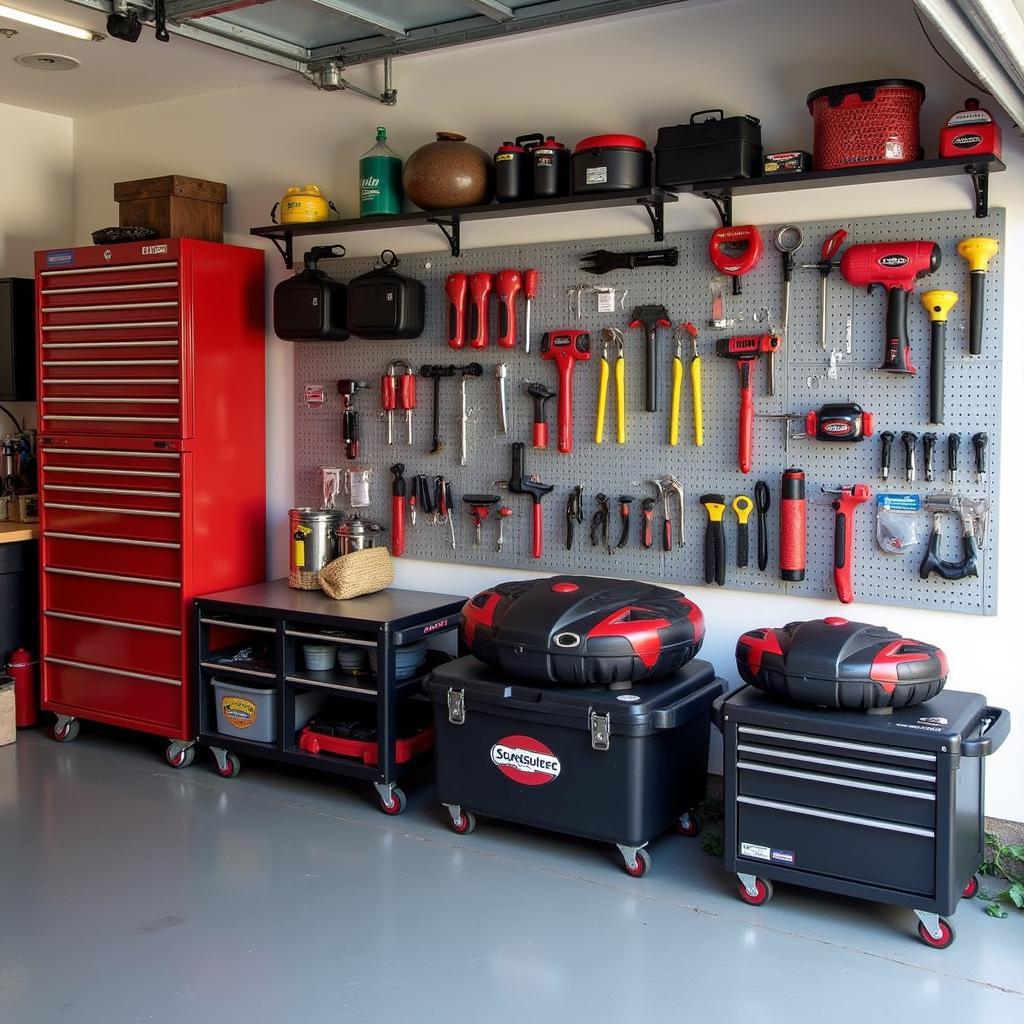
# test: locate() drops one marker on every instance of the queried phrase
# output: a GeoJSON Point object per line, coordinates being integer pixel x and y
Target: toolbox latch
{"type": "Point", "coordinates": [456, 706]}
{"type": "Point", "coordinates": [600, 730]}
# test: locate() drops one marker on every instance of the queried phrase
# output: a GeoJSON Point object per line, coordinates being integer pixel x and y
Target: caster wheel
{"type": "Point", "coordinates": [232, 766]}
{"type": "Point", "coordinates": [397, 803]}
{"type": "Point", "coordinates": [640, 866]}
{"type": "Point", "coordinates": [971, 888]}
{"type": "Point", "coordinates": [181, 757]}
{"type": "Point", "coordinates": [945, 939]}
{"type": "Point", "coordinates": [67, 733]}
{"type": "Point", "coordinates": [763, 895]}
{"type": "Point", "coordinates": [689, 824]}
{"type": "Point", "coordinates": [465, 824]}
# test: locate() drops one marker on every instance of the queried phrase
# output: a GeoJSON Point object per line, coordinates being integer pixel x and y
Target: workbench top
{"type": "Point", "coordinates": [12, 532]}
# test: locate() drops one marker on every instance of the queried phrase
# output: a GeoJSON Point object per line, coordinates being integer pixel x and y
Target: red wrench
{"type": "Point", "coordinates": [842, 566]}
{"type": "Point", "coordinates": [564, 348]}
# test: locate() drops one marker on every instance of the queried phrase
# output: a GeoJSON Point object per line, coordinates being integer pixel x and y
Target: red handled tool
{"type": "Point", "coordinates": [829, 248]}
{"type": "Point", "coordinates": [519, 483]}
{"type": "Point", "coordinates": [842, 565]}
{"type": "Point", "coordinates": [455, 288]}
{"type": "Point", "coordinates": [745, 348]}
{"type": "Point", "coordinates": [406, 398]}
{"type": "Point", "coordinates": [348, 389]}
{"type": "Point", "coordinates": [793, 527]}
{"type": "Point", "coordinates": [565, 348]}
{"type": "Point", "coordinates": [541, 395]}
{"type": "Point", "coordinates": [747, 238]}
{"type": "Point", "coordinates": [480, 288]}
{"type": "Point", "coordinates": [398, 392]}
{"type": "Point", "coordinates": [530, 281]}
{"type": "Point", "coordinates": [509, 283]}
{"type": "Point", "coordinates": [894, 266]}
{"type": "Point", "coordinates": [398, 502]}
{"type": "Point", "coordinates": [650, 318]}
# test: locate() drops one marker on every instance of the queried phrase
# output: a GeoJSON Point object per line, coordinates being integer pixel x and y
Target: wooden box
{"type": "Point", "coordinates": [174, 206]}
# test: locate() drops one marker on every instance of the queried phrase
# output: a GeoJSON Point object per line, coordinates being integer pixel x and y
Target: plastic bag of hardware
{"type": "Point", "coordinates": [896, 527]}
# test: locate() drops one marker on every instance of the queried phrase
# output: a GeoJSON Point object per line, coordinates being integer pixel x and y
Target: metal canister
{"type": "Point", "coordinates": [355, 534]}
{"type": "Point", "coordinates": [312, 535]}
{"type": "Point", "coordinates": [552, 167]}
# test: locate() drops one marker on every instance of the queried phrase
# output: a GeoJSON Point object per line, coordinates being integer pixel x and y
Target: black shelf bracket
{"type": "Point", "coordinates": [284, 249]}
{"type": "Point", "coordinates": [656, 211]}
{"type": "Point", "coordinates": [979, 176]}
{"type": "Point", "coordinates": [722, 202]}
{"type": "Point", "coordinates": [451, 231]}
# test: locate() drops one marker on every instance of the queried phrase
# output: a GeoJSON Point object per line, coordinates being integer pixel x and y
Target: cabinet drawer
{"type": "Point", "coordinates": [75, 295]}
{"type": "Point", "coordinates": [110, 520]}
{"type": "Point", "coordinates": [840, 846]}
{"type": "Point", "coordinates": [145, 477]}
{"type": "Point", "coordinates": [125, 275]}
{"type": "Point", "coordinates": [120, 492]}
{"type": "Point", "coordinates": [128, 414]}
{"type": "Point", "coordinates": [121, 645]}
{"type": "Point", "coordinates": [149, 464]}
{"type": "Point", "coordinates": [113, 596]}
{"type": "Point", "coordinates": [108, 691]}
{"type": "Point", "coordinates": [837, 793]}
{"type": "Point", "coordinates": [144, 357]}
{"type": "Point", "coordinates": [159, 560]}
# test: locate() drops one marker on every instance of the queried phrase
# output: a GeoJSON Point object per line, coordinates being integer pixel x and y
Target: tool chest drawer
{"type": "Point", "coordinates": [117, 596]}
{"type": "Point", "coordinates": [123, 645]}
{"type": "Point", "coordinates": [127, 497]}
{"type": "Point", "coordinates": [109, 520]}
{"type": "Point", "coordinates": [108, 691]}
{"type": "Point", "coordinates": [159, 560]}
{"type": "Point", "coordinates": [152, 471]}
{"type": "Point", "coordinates": [58, 285]}
{"type": "Point", "coordinates": [857, 848]}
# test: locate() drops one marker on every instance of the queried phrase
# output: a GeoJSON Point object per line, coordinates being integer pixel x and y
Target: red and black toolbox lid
{"type": "Point", "coordinates": [582, 630]}
{"type": "Point", "coordinates": [610, 142]}
{"type": "Point", "coordinates": [833, 662]}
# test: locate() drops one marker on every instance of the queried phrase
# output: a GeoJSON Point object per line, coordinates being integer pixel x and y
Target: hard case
{"type": "Point", "coordinates": [836, 663]}
{"type": "Point", "coordinates": [310, 307]}
{"type": "Point", "coordinates": [715, 149]}
{"type": "Point", "coordinates": [602, 764]}
{"type": "Point", "coordinates": [384, 305]}
{"type": "Point", "coordinates": [583, 630]}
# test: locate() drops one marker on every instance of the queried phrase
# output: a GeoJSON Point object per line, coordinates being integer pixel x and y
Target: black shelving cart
{"type": "Point", "coordinates": [249, 642]}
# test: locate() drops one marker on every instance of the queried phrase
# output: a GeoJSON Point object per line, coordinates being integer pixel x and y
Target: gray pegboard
{"type": "Point", "coordinates": [899, 403]}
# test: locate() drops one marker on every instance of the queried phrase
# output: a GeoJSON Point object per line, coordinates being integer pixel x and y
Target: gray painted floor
{"type": "Point", "coordinates": [132, 892]}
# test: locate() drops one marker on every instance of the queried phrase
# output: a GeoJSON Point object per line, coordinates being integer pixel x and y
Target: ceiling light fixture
{"type": "Point", "coordinates": [50, 24]}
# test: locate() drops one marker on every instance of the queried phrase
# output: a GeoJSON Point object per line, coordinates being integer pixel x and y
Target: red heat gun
{"type": "Point", "coordinates": [894, 266]}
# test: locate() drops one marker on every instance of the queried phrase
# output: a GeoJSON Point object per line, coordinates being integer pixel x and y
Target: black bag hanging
{"type": "Point", "coordinates": [385, 305]}
{"type": "Point", "coordinates": [310, 306]}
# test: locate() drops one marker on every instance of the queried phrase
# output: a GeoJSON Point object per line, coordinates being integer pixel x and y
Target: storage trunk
{"type": "Point", "coordinates": [716, 149]}
{"type": "Point", "coordinates": [174, 206]}
{"type": "Point", "coordinates": [602, 764]}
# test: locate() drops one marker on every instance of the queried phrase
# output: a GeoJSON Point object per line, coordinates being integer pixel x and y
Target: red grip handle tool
{"type": "Point", "coordinates": [564, 348]}
{"type": "Point", "coordinates": [746, 421]}
{"type": "Point", "coordinates": [455, 288]}
{"type": "Point", "coordinates": [509, 284]}
{"type": "Point", "coordinates": [793, 527]}
{"type": "Point", "coordinates": [842, 565]}
{"type": "Point", "coordinates": [480, 287]}
{"type": "Point", "coordinates": [398, 502]}
{"type": "Point", "coordinates": [538, 530]}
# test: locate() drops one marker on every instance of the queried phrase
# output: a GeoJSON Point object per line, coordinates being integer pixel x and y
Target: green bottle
{"type": "Point", "coordinates": [380, 180]}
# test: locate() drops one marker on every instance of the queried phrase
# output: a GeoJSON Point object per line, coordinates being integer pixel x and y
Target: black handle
{"type": "Point", "coordinates": [742, 545]}
{"type": "Point", "coordinates": [717, 553]}
{"type": "Point", "coordinates": [436, 421]}
{"type": "Point", "coordinates": [887, 439]}
{"type": "Point", "coordinates": [980, 443]}
{"type": "Point", "coordinates": [453, 322]}
{"type": "Point", "coordinates": [709, 553]}
{"type": "Point", "coordinates": [937, 372]}
{"type": "Point", "coordinates": [351, 434]}
{"type": "Point", "coordinates": [518, 457]}
{"type": "Point", "coordinates": [711, 110]}
{"type": "Point", "coordinates": [666, 536]}
{"type": "Point", "coordinates": [897, 342]}
{"type": "Point", "coordinates": [718, 706]}
{"type": "Point", "coordinates": [762, 496]}
{"type": "Point", "coordinates": [651, 354]}
{"type": "Point", "coordinates": [839, 555]}
{"type": "Point", "coordinates": [672, 716]}
{"type": "Point", "coordinates": [992, 738]}
{"type": "Point", "coordinates": [977, 310]}
{"type": "Point", "coordinates": [953, 452]}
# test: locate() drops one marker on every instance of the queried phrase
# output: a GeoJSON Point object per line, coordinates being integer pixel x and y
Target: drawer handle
{"type": "Point", "coordinates": [113, 490]}
{"type": "Point", "coordinates": [127, 325]}
{"type": "Point", "coordinates": [110, 451]}
{"type": "Point", "coordinates": [238, 625]}
{"type": "Point", "coordinates": [835, 780]}
{"type": "Point", "coordinates": [331, 639]}
{"type": "Point", "coordinates": [124, 400]}
{"type": "Point", "coordinates": [240, 671]}
{"type": "Point", "coordinates": [109, 380]}
{"type": "Point", "coordinates": [112, 344]}
{"type": "Point", "coordinates": [111, 671]}
{"type": "Point", "coordinates": [112, 622]}
{"type": "Point", "coordinates": [109, 269]}
{"type": "Point", "coordinates": [111, 305]}
{"type": "Point", "coordinates": [852, 819]}
{"type": "Point", "coordinates": [167, 545]}
{"type": "Point", "coordinates": [111, 509]}
{"type": "Point", "coordinates": [913, 755]}
{"type": "Point", "coordinates": [108, 362]}
{"type": "Point", "coordinates": [113, 577]}
{"type": "Point", "coordinates": [111, 472]}
{"type": "Point", "coordinates": [866, 766]}
{"type": "Point", "coordinates": [109, 288]}
{"type": "Point", "coordinates": [113, 419]}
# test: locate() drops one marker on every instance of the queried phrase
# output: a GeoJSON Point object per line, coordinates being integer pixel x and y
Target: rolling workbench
{"type": "Point", "coordinates": [279, 619]}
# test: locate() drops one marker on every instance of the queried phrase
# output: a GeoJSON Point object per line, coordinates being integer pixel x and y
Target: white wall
{"type": "Point", "coordinates": [632, 73]}
{"type": "Point", "coordinates": [36, 197]}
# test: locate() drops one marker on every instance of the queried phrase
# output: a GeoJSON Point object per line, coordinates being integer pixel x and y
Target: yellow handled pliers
{"type": "Point", "coordinates": [684, 331]}
{"type": "Point", "coordinates": [608, 336]}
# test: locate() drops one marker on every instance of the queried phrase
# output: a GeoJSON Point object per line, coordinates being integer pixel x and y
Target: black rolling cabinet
{"type": "Point", "coordinates": [255, 693]}
{"type": "Point", "coordinates": [17, 340]}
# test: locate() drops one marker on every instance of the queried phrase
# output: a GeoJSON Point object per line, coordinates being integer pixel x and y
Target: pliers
{"type": "Point", "coordinates": [714, 539]}
{"type": "Point", "coordinates": [599, 524]}
{"type": "Point", "coordinates": [625, 503]}
{"type": "Point", "coordinates": [573, 515]}
{"type": "Point", "coordinates": [608, 336]}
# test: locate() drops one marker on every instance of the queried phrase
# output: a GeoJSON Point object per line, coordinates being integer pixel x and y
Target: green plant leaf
{"type": "Point", "coordinates": [713, 844]}
{"type": "Point", "coordinates": [1016, 852]}
{"type": "Point", "coordinates": [984, 895]}
{"type": "Point", "coordinates": [994, 910]}
{"type": "Point", "coordinates": [988, 867]}
{"type": "Point", "coordinates": [1016, 894]}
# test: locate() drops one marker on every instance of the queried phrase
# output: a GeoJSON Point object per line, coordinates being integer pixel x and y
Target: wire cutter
{"type": "Point", "coordinates": [714, 539]}
{"type": "Point", "coordinates": [609, 335]}
{"type": "Point", "coordinates": [684, 331]}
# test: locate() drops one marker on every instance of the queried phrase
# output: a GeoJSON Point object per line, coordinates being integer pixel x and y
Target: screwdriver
{"type": "Point", "coordinates": [929, 440]}
{"type": "Point", "coordinates": [980, 442]}
{"type": "Point", "coordinates": [829, 248]}
{"type": "Point", "coordinates": [952, 455]}
{"type": "Point", "coordinates": [887, 439]}
{"type": "Point", "coordinates": [909, 439]}
{"type": "Point", "coordinates": [406, 399]}
{"type": "Point", "coordinates": [531, 279]}
{"type": "Point", "coordinates": [508, 286]}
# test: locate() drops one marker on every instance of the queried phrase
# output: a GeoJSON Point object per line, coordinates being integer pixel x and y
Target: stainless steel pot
{"type": "Point", "coordinates": [312, 538]}
{"type": "Point", "coordinates": [355, 534]}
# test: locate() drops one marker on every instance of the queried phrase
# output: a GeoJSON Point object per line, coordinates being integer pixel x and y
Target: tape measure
{"type": "Point", "coordinates": [745, 236]}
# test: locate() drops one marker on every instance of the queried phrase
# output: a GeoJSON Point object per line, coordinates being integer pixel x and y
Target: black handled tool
{"type": "Point", "coordinates": [742, 506]}
{"type": "Point", "coordinates": [763, 501]}
{"type": "Point", "coordinates": [714, 539]}
{"type": "Point", "coordinates": [599, 524]}
{"type": "Point", "coordinates": [938, 303]}
{"type": "Point", "coordinates": [650, 318]}
{"type": "Point", "coordinates": [929, 440]}
{"type": "Point", "coordinates": [887, 439]}
{"type": "Point", "coordinates": [980, 442]}
{"type": "Point", "coordinates": [625, 505]}
{"type": "Point", "coordinates": [520, 483]}
{"type": "Point", "coordinates": [573, 515]}
{"type": "Point", "coordinates": [909, 439]}
{"type": "Point", "coordinates": [952, 456]}
{"type": "Point", "coordinates": [347, 389]}
{"type": "Point", "coordinates": [541, 395]}
{"type": "Point", "coordinates": [437, 373]}
{"type": "Point", "coordinates": [647, 509]}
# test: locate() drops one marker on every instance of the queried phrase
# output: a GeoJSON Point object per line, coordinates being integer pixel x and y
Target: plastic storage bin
{"type": "Point", "coordinates": [248, 711]}
{"type": "Point", "coordinates": [319, 657]}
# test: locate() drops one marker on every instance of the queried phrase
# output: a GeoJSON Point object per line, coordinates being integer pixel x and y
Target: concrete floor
{"type": "Point", "coordinates": [133, 892]}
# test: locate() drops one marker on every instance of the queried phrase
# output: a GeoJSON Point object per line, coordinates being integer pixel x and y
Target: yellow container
{"type": "Point", "coordinates": [304, 205]}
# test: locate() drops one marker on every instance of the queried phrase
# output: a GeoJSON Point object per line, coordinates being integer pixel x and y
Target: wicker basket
{"type": "Point", "coordinates": [7, 711]}
{"type": "Point", "coordinates": [358, 573]}
{"type": "Point", "coordinates": [299, 579]}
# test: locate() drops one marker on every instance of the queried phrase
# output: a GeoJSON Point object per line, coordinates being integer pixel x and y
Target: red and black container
{"type": "Point", "coordinates": [552, 169]}
{"type": "Point", "coordinates": [712, 147]}
{"type": "Point", "coordinates": [863, 123]}
{"type": "Point", "coordinates": [840, 664]}
{"type": "Point", "coordinates": [610, 163]}
{"type": "Point", "coordinates": [513, 168]}
{"type": "Point", "coordinates": [970, 132]}
{"type": "Point", "coordinates": [583, 631]}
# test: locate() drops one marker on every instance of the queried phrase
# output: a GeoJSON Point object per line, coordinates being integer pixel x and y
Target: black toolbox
{"type": "Point", "coordinates": [886, 807]}
{"type": "Point", "coordinates": [610, 765]}
{"type": "Point", "coordinates": [384, 305]}
{"type": "Point", "coordinates": [717, 148]}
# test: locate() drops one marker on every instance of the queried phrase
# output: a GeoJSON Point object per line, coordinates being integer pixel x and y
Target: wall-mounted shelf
{"type": "Point", "coordinates": [450, 221]}
{"type": "Point", "coordinates": [978, 169]}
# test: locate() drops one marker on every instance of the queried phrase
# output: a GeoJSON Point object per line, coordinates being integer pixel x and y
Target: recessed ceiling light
{"type": "Point", "coordinates": [47, 61]}
{"type": "Point", "coordinates": [50, 24]}
{"type": "Point", "coordinates": [8, 33]}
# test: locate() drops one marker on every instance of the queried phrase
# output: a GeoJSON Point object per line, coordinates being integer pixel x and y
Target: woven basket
{"type": "Point", "coordinates": [358, 573]}
{"type": "Point", "coordinates": [7, 712]}
{"type": "Point", "coordinates": [300, 579]}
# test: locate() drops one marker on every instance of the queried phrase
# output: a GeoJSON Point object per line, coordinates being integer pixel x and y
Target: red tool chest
{"type": "Point", "coordinates": [152, 469]}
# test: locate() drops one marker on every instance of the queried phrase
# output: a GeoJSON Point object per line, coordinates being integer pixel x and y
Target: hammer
{"type": "Point", "coordinates": [434, 372]}
{"type": "Point", "coordinates": [564, 348]}
{"type": "Point", "coordinates": [349, 417]}
{"type": "Point", "coordinates": [650, 318]}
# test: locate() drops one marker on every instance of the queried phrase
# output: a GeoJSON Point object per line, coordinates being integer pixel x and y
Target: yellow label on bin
{"type": "Point", "coordinates": [240, 713]}
{"type": "Point", "coordinates": [299, 554]}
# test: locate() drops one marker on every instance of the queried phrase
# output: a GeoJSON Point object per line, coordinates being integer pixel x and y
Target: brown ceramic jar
{"type": "Point", "coordinates": [449, 173]}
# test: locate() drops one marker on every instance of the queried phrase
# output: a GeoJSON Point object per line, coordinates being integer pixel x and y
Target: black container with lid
{"type": "Point", "coordinates": [513, 168]}
{"type": "Point", "coordinates": [609, 163]}
{"type": "Point", "coordinates": [310, 306]}
{"type": "Point", "coordinates": [709, 148]}
{"type": "Point", "coordinates": [384, 305]}
{"type": "Point", "coordinates": [552, 169]}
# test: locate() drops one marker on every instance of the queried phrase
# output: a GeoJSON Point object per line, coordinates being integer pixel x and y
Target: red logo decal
{"type": "Point", "coordinates": [525, 760]}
